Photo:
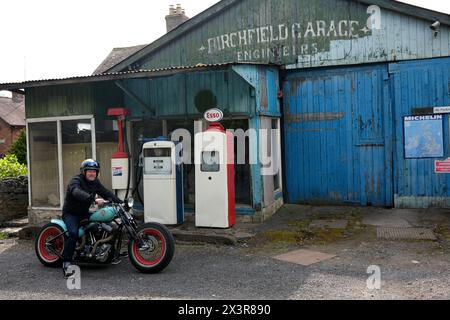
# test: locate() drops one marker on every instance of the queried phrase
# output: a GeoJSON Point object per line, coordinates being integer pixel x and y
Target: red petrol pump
{"type": "Point", "coordinates": [214, 175]}
{"type": "Point", "coordinates": [120, 160]}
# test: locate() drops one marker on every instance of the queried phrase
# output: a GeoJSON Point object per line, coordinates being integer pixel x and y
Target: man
{"type": "Point", "coordinates": [80, 194]}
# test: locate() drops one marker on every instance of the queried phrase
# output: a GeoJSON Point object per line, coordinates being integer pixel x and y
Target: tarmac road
{"type": "Point", "coordinates": [247, 271]}
{"type": "Point", "coordinates": [208, 272]}
{"type": "Point", "coordinates": [196, 272]}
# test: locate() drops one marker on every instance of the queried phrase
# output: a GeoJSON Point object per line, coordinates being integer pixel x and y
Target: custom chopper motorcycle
{"type": "Point", "coordinates": [150, 246]}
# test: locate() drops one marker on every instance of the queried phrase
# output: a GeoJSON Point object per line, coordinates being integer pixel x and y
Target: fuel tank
{"type": "Point", "coordinates": [103, 215]}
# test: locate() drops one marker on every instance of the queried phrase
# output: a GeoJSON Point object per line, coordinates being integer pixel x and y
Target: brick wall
{"type": "Point", "coordinates": [8, 135]}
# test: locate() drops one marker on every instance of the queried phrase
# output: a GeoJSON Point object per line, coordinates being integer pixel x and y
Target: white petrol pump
{"type": "Point", "coordinates": [214, 175]}
{"type": "Point", "coordinates": [163, 182]}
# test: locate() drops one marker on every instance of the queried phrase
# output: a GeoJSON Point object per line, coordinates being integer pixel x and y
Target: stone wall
{"type": "Point", "coordinates": [39, 217]}
{"type": "Point", "coordinates": [13, 198]}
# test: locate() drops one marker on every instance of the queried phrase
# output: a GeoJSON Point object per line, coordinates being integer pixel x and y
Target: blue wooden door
{"type": "Point", "coordinates": [419, 86]}
{"type": "Point", "coordinates": [337, 136]}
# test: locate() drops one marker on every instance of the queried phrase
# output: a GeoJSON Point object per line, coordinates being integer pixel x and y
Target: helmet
{"type": "Point", "coordinates": [90, 164]}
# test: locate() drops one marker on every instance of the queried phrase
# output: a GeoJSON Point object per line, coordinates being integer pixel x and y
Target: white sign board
{"type": "Point", "coordinates": [441, 110]}
{"type": "Point", "coordinates": [213, 115]}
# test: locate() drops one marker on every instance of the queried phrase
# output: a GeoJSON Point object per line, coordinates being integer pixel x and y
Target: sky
{"type": "Point", "coordinates": [48, 39]}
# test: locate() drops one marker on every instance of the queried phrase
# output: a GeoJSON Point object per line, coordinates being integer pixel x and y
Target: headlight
{"type": "Point", "coordinates": [130, 202]}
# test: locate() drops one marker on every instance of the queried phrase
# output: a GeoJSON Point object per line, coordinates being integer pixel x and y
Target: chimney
{"type": "Point", "coordinates": [176, 17]}
{"type": "Point", "coordinates": [17, 97]}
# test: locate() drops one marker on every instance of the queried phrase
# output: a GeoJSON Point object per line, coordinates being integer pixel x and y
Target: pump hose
{"type": "Point", "coordinates": [137, 181]}
{"type": "Point", "coordinates": [138, 177]}
{"type": "Point", "coordinates": [127, 150]}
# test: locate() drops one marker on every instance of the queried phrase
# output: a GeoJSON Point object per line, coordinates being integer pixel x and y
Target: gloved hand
{"type": "Point", "coordinates": [115, 200]}
{"type": "Point", "coordinates": [100, 202]}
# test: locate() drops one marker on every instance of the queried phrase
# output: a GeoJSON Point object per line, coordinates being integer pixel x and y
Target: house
{"type": "Point", "coordinates": [355, 92]}
{"type": "Point", "coordinates": [12, 118]}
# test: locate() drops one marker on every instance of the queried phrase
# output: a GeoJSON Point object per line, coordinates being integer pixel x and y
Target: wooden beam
{"type": "Point", "coordinates": [133, 96]}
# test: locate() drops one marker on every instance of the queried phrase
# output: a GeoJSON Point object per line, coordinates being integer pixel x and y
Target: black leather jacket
{"type": "Point", "coordinates": [81, 193]}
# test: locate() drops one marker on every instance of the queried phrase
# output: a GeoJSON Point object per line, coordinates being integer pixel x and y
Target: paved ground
{"type": "Point", "coordinates": [247, 270]}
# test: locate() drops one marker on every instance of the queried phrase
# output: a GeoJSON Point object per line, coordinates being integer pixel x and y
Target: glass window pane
{"type": "Point", "coordinates": [276, 153]}
{"type": "Point", "coordinates": [44, 164]}
{"type": "Point", "coordinates": [158, 152]}
{"type": "Point", "coordinates": [107, 137]}
{"type": "Point", "coordinates": [242, 161]}
{"type": "Point", "coordinates": [210, 161]}
{"type": "Point", "coordinates": [76, 146]}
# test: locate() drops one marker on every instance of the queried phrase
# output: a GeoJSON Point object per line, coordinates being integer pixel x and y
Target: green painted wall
{"type": "Point", "coordinates": [189, 95]}
{"type": "Point", "coordinates": [297, 33]}
{"type": "Point", "coordinates": [58, 101]}
{"type": "Point", "coordinates": [72, 100]}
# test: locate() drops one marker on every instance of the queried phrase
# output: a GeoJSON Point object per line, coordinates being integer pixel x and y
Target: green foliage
{"type": "Point", "coordinates": [19, 148]}
{"type": "Point", "coordinates": [3, 236]}
{"type": "Point", "coordinates": [11, 168]}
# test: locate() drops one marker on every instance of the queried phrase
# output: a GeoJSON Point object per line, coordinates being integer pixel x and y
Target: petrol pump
{"type": "Point", "coordinates": [214, 175]}
{"type": "Point", "coordinates": [163, 182]}
{"type": "Point", "coordinates": [120, 161]}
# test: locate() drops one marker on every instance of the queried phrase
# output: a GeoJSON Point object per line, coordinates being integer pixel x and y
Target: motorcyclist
{"type": "Point", "coordinates": [80, 195]}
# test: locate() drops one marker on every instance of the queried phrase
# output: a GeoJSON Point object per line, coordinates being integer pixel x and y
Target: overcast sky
{"type": "Point", "coordinates": [43, 39]}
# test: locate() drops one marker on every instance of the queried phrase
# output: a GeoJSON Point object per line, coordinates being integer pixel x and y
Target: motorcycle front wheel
{"type": "Point", "coordinates": [154, 251]}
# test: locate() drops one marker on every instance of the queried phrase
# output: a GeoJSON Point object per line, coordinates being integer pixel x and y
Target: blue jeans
{"type": "Point", "coordinates": [73, 225]}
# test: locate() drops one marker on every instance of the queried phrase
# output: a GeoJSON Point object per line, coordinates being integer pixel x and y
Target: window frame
{"type": "Point", "coordinates": [58, 121]}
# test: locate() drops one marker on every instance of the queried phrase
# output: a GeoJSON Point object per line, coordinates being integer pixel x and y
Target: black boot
{"type": "Point", "coordinates": [67, 273]}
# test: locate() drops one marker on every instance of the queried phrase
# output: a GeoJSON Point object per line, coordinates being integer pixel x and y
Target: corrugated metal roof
{"type": "Point", "coordinates": [134, 74]}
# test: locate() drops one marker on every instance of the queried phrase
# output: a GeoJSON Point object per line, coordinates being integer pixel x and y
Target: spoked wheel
{"type": "Point", "coordinates": [50, 243]}
{"type": "Point", "coordinates": [154, 251]}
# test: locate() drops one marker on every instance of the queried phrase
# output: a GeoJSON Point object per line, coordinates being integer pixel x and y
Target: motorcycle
{"type": "Point", "coordinates": [151, 246]}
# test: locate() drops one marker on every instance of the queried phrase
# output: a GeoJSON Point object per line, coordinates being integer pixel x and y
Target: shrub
{"type": "Point", "coordinates": [19, 148]}
{"type": "Point", "coordinates": [11, 168]}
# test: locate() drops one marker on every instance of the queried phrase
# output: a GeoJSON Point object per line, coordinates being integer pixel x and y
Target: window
{"type": "Point", "coordinates": [76, 146]}
{"type": "Point", "coordinates": [276, 153]}
{"type": "Point", "coordinates": [242, 168]}
{"type": "Point", "coordinates": [106, 136]}
{"type": "Point", "coordinates": [45, 188]}
{"type": "Point", "coordinates": [158, 153]}
{"type": "Point", "coordinates": [158, 161]}
{"type": "Point", "coordinates": [57, 146]}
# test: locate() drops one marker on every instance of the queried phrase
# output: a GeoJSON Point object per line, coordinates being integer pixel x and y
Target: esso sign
{"type": "Point", "coordinates": [213, 115]}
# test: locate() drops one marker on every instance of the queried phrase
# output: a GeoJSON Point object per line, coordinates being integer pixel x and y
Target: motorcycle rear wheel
{"type": "Point", "coordinates": [156, 259]}
{"type": "Point", "coordinates": [46, 256]}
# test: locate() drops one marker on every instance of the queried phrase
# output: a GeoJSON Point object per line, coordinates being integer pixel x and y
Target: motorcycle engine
{"type": "Point", "coordinates": [100, 236]}
{"type": "Point", "coordinates": [98, 228]}
{"type": "Point", "coordinates": [103, 252]}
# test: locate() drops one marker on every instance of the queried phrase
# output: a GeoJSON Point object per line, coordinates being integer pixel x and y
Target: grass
{"type": "Point", "coordinates": [442, 232]}
{"type": "Point", "coordinates": [298, 232]}
{"type": "Point", "coordinates": [3, 236]}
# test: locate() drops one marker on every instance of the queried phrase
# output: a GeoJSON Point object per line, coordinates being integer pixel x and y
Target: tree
{"type": "Point", "coordinates": [19, 148]}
